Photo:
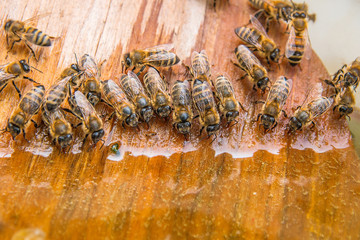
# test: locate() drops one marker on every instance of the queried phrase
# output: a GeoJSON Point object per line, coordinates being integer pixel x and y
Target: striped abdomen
{"type": "Point", "coordinates": [32, 100]}
{"type": "Point", "coordinates": [296, 49]}
{"type": "Point", "coordinates": [248, 35]}
{"type": "Point", "coordinates": [223, 87]}
{"type": "Point", "coordinates": [280, 91]}
{"type": "Point", "coordinates": [164, 58]}
{"type": "Point", "coordinates": [203, 96]}
{"type": "Point", "coordinates": [200, 64]}
{"type": "Point", "coordinates": [243, 55]}
{"type": "Point", "coordinates": [180, 94]}
{"type": "Point", "coordinates": [37, 37]}
{"type": "Point", "coordinates": [55, 96]}
{"type": "Point", "coordinates": [259, 4]}
{"type": "Point", "coordinates": [113, 94]}
{"type": "Point", "coordinates": [319, 106]}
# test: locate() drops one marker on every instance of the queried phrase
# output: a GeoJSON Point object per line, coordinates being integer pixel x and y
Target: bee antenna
{"type": "Point", "coordinates": [122, 66]}
{"type": "Point", "coordinates": [36, 69]}
{"type": "Point", "coordinates": [103, 143]}
{"type": "Point", "coordinates": [76, 58]}
{"type": "Point", "coordinates": [293, 4]}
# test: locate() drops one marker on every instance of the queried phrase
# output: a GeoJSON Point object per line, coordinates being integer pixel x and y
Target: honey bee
{"type": "Point", "coordinates": [28, 106]}
{"type": "Point", "coordinates": [157, 89]}
{"type": "Point", "coordinates": [90, 120]}
{"type": "Point", "coordinates": [17, 31]}
{"type": "Point", "coordinates": [298, 42]}
{"type": "Point", "coordinates": [205, 104]}
{"type": "Point", "coordinates": [304, 115]}
{"type": "Point", "coordinates": [257, 39]}
{"type": "Point", "coordinates": [345, 101]}
{"type": "Point", "coordinates": [56, 94]}
{"type": "Point", "coordinates": [158, 56]}
{"type": "Point", "coordinates": [59, 128]}
{"type": "Point", "coordinates": [91, 84]}
{"type": "Point", "coordinates": [228, 105]}
{"type": "Point", "coordinates": [12, 72]}
{"type": "Point", "coordinates": [347, 76]}
{"type": "Point", "coordinates": [200, 66]}
{"type": "Point", "coordinates": [182, 114]}
{"type": "Point", "coordinates": [114, 96]}
{"type": "Point", "coordinates": [75, 73]}
{"type": "Point", "coordinates": [252, 66]}
{"type": "Point", "coordinates": [274, 103]}
{"type": "Point", "coordinates": [135, 92]}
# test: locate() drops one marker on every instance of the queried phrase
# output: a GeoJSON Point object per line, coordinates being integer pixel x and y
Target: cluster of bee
{"type": "Point", "coordinates": [133, 100]}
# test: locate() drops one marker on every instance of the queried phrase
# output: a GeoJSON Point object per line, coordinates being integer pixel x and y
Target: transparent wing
{"type": "Point", "coordinates": [291, 40]}
{"type": "Point", "coordinates": [160, 56]}
{"type": "Point", "coordinates": [255, 22]}
{"type": "Point", "coordinates": [135, 86]}
{"type": "Point", "coordinates": [159, 83]}
{"type": "Point", "coordinates": [280, 91]}
{"type": "Point", "coordinates": [248, 57]}
{"type": "Point", "coordinates": [37, 17]}
{"type": "Point", "coordinates": [166, 47]}
{"type": "Point", "coordinates": [84, 105]}
{"type": "Point", "coordinates": [319, 106]}
{"type": "Point", "coordinates": [89, 66]}
{"type": "Point", "coordinates": [308, 50]}
{"type": "Point", "coordinates": [205, 100]}
{"type": "Point", "coordinates": [4, 76]}
{"type": "Point", "coordinates": [223, 86]}
{"type": "Point", "coordinates": [202, 66]}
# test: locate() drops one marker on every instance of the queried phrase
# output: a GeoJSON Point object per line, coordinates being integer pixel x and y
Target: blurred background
{"type": "Point", "coordinates": [335, 36]}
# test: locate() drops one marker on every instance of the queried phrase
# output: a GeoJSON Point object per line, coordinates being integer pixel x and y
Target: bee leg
{"type": "Point", "coordinates": [196, 117]}
{"type": "Point", "coordinates": [35, 123]}
{"type": "Point", "coordinates": [254, 87]}
{"type": "Point", "coordinates": [297, 108]}
{"type": "Point", "coordinates": [32, 51]}
{"type": "Point", "coordinates": [202, 128]}
{"type": "Point", "coordinates": [312, 125]}
{"type": "Point", "coordinates": [242, 107]}
{"type": "Point", "coordinates": [24, 135]}
{"type": "Point", "coordinates": [111, 116]}
{"type": "Point", "coordinates": [141, 69]}
{"type": "Point", "coordinates": [334, 108]}
{"type": "Point", "coordinates": [259, 101]}
{"type": "Point", "coordinates": [12, 44]}
{"type": "Point", "coordinates": [3, 87]}
{"type": "Point", "coordinates": [84, 140]}
{"type": "Point", "coordinates": [17, 89]}
{"type": "Point", "coordinates": [283, 111]}
{"type": "Point", "coordinates": [348, 117]}
{"type": "Point", "coordinates": [31, 80]}
{"type": "Point", "coordinates": [77, 125]}
{"type": "Point", "coordinates": [213, 139]}
{"type": "Point", "coordinates": [276, 123]}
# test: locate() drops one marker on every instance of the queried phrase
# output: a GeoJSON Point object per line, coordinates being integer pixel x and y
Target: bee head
{"type": "Point", "coordinates": [345, 110]}
{"type": "Point", "coordinates": [127, 60]}
{"type": "Point", "coordinates": [93, 97]}
{"type": "Point", "coordinates": [267, 121]}
{"type": "Point", "coordinates": [164, 111]}
{"type": "Point", "coordinates": [75, 67]}
{"type": "Point", "coordinates": [275, 55]}
{"type": "Point", "coordinates": [262, 83]}
{"type": "Point", "coordinates": [350, 79]}
{"type": "Point", "coordinates": [13, 129]}
{"type": "Point", "coordinates": [212, 129]}
{"type": "Point", "coordinates": [146, 113]}
{"type": "Point", "coordinates": [230, 116]}
{"type": "Point", "coordinates": [8, 24]}
{"type": "Point", "coordinates": [96, 136]}
{"type": "Point", "coordinates": [132, 120]}
{"type": "Point", "coordinates": [184, 116]}
{"type": "Point", "coordinates": [295, 124]}
{"type": "Point", "coordinates": [24, 66]}
{"type": "Point", "coordinates": [64, 140]}
{"type": "Point", "coordinates": [183, 127]}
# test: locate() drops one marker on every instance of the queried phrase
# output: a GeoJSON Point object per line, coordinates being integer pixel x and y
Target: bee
{"type": "Point", "coordinates": [304, 115]}
{"type": "Point", "coordinates": [182, 114]}
{"type": "Point", "coordinates": [135, 92]}
{"type": "Point", "coordinates": [203, 99]}
{"type": "Point", "coordinates": [252, 66]}
{"type": "Point", "coordinates": [59, 128]}
{"type": "Point", "coordinates": [17, 31]}
{"type": "Point", "coordinates": [347, 76]}
{"type": "Point", "coordinates": [91, 84]}
{"type": "Point", "coordinates": [12, 72]}
{"type": "Point", "coordinates": [157, 89]}
{"type": "Point", "coordinates": [28, 106]}
{"type": "Point", "coordinates": [56, 94]}
{"type": "Point", "coordinates": [90, 120]}
{"type": "Point", "coordinates": [298, 42]}
{"type": "Point", "coordinates": [200, 66]}
{"type": "Point", "coordinates": [258, 40]}
{"type": "Point", "coordinates": [75, 72]}
{"type": "Point", "coordinates": [114, 96]}
{"type": "Point", "coordinates": [158, 56]}
{"type": "Point", "coordinates": [345, 102]}
{"type": "Point", "coordinates": [274, 103]}
{"type": "Point", "coordinates": [228, 105]}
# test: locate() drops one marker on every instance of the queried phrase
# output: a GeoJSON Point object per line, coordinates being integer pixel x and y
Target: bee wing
{"type": "Point", "coordinates": [308, 50]}
{"type": "Point", "coordinates": [203, 63]}
{"type": "Point", "coordinates": [84, 105]}
{"type": "Point", "coordinates": [160, 83]}
{"type": "Point", "coordinates": [135, 85]}
{"type": "Point", "coordinates": [205, 100]}
{"type": "Point", "coordinates": [248, 57]}
{"type": "Point", "coordinates": [89, 66]}
{"type": "Point", "coordinates": [319, 106]}
{"type": "Point", "coordinates": [255, 22]}
{"type": "Point", "coordinates": [166, 47]}
{"type": "Point", "coordinates": [290, 41]}
{"type": "Point", "coordinates": [4, 76]}
{"type": "Point", "coordinates": [274, 96]}
{"type": "Point", "coordinates": [37, 17]}
{"type": "Point", "coordinates": [159, 57]}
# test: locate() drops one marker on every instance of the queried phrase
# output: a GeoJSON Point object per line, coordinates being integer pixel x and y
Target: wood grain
{"type": "Point", "coordinates": [244, 185]}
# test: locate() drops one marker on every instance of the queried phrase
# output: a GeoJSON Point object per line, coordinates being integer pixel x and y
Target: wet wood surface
{"type": "Point", "coordinates": [244, 185]}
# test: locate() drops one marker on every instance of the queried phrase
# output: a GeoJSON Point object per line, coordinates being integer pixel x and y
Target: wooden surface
{"type": "Point", "coordinates": [244, 185]}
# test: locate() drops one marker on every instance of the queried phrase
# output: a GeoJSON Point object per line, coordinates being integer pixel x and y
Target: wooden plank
{"type": "Point", "coordinates": [244, 185]}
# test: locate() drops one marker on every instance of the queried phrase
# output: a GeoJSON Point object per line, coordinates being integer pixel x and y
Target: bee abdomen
{"type": "Point", "coordinates": [37, 37]}
{"type": "Point", "coordinates": [32, 100]}
{"type": "Point", "coordinates": [297, 48]}
{"type": "Point", "coordinates": [245, 33]}
{"type": "Point", "coordinates": [259, 4]}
